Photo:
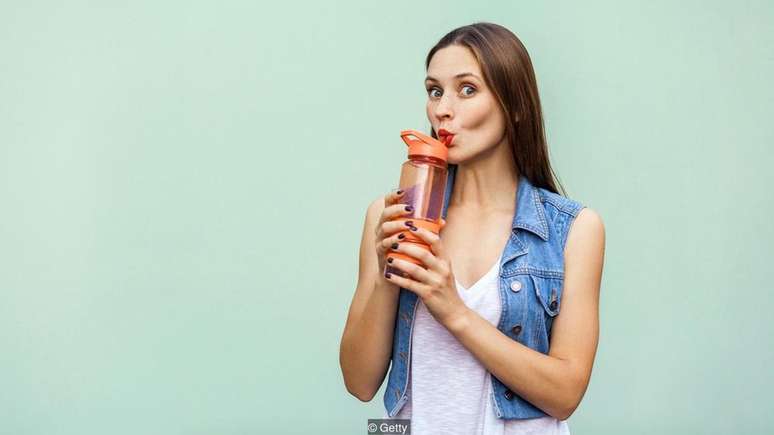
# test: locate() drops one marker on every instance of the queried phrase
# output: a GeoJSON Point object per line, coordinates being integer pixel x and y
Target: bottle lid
{"type": "Point", "coordinates": [424, 145]}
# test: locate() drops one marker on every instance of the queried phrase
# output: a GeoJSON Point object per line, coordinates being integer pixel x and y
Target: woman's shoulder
{"type": "Point", "coordinates": [564, 214]}
{"type": "Point", "coordinates": [559, 202]}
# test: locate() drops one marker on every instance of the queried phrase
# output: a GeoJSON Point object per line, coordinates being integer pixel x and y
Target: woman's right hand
{"type": "Point", "coordinates": [388, 230]}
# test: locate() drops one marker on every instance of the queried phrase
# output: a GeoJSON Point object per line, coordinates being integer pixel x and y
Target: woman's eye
{"type": "Point", "coordinates": [431, 90]}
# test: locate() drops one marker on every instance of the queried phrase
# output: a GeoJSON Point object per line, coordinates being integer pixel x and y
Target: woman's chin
{"type": "Point", "coordinates": [451, 158]}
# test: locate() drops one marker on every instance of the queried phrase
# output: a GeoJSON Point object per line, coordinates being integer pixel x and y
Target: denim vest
{"type": "Point", "coordinates": [531, 277]}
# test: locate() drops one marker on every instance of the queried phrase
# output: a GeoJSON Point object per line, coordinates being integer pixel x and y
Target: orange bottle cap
{"type": "Point", "coordinates": [424, 145]}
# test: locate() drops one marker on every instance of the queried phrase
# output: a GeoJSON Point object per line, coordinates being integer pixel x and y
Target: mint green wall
{"type": "Point", "coordinates": [183, 186]}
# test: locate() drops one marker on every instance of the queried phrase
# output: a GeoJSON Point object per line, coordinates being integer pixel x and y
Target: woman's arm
{"type": "Point", "coordinates": [555, 382]}
{"type": "Point", "coordinates": [366, 343]}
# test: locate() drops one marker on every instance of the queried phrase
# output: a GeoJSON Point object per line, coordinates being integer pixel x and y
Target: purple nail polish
{"type": "Point", "coordinates": [413, 228]}
{"type": "Point", "coordinates": [409, 208]}
{"type": "Point", "coordinates": [394, 245]}
{"type": "Point", "coordinates": [409, 223]}
{"type": "Point", "coordinates": [388, 275]}
{"type": "Point", "coordinates": [401, 236]}
{"type": "Point", "coordinates": [389, 260]}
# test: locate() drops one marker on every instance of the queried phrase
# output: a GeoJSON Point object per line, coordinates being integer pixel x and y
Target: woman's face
{"type": "Point", "coordinates": [463, 105]}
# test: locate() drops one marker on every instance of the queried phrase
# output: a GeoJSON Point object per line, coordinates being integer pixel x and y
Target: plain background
{"type": "Point", "coordinates": [183, 187]}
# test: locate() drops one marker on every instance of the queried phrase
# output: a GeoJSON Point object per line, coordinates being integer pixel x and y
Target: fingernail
{"type": "Point", "coordinates": [409, 223]}
{"type": "Point", "coordinates": [395, 245]}
{"type": "Point", "coordinates": [400, 192]}
{"type": "Point", "coordinates": [409, 208]}
{"type": "Point", "coordinates": [413, 228]}
{"type": "Point", "coordinates": [389, 260]}
{"type": "Point", "coordinates": [388, 275]}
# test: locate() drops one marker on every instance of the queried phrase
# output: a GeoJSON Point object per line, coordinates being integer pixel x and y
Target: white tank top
{"type": "Point", "coordinates": [450, 391]}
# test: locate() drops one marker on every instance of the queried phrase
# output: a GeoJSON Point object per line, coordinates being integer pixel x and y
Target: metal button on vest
{"type": "Point", "coordinates": [516, 286]}
{"type": "Point", "coordinates": [516, 329]}
{"type": "Point", "coordinates": [508, 394]}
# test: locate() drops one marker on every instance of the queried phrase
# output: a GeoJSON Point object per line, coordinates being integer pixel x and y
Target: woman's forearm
{"type": "Point", "coordinates": [366, 345]}
{"type": "Point", "coordinates": [545, 381]}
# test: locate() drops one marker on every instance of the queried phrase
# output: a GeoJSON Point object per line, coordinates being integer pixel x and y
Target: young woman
{"type": "Point", "coordinates": [498, 331]}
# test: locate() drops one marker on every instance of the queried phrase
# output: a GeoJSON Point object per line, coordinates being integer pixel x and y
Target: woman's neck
{"type": "Point", "coordinates": [486, 183]}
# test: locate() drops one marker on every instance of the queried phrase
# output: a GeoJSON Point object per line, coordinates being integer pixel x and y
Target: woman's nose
{"type": "Point", "coordinates": [444, 107]}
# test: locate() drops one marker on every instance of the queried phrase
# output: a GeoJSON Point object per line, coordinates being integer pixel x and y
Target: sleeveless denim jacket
{"type": "Point", "coordinates": [531, 275]}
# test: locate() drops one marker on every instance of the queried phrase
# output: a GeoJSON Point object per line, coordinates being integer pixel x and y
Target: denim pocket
{"type": "Point", "coordinates": [549, 293]}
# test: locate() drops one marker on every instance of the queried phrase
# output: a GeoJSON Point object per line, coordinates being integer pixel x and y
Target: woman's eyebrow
{"type": "Point", "coordinates": [428, 78]}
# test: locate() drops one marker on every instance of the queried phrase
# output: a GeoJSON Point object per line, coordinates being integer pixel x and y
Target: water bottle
{"type": "Point", "coordinates": [423, 178]}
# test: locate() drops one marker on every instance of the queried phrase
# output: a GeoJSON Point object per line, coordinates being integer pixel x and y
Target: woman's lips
{"type": "Point", "coordinates": [445, 137]}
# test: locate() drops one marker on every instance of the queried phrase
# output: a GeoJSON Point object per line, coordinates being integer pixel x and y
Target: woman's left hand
{"type": "Point", "coordinates": [435, 283]}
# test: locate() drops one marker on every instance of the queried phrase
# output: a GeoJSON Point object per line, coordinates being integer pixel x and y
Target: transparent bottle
{"type": "Point", "coordinates": [423, 178]}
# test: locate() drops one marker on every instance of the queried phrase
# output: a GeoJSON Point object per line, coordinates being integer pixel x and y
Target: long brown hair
{"type": "Point", "coordinates": [508, 71]}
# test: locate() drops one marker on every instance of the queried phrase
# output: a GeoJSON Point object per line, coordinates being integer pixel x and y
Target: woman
{"type": "Point", "coordinates": [498, 331]}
